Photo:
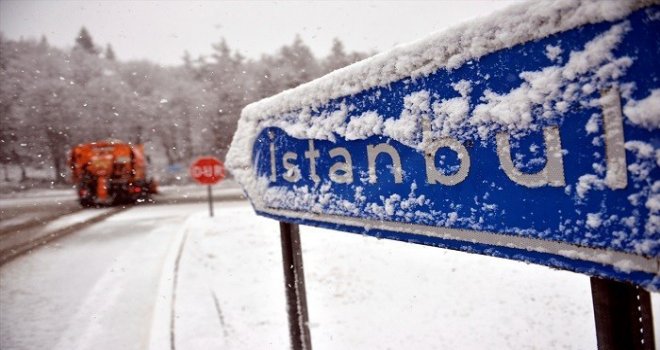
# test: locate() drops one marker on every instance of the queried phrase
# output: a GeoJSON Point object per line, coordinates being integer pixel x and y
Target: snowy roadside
{"type": "Point", "coordinates": [364, 293]}
{"type": "Point", "coordinates": [228, 186]}
{"type": "Point", "coordinates": [57, 196]}
{"type": "Point", "coordinates": [93, 289]}
{"type": "Point", "coordinates": [13, 238]}
{"type": "Point", "coordinates": [21, 207]}
{"type": "Point", "coordinates": [230, 293]}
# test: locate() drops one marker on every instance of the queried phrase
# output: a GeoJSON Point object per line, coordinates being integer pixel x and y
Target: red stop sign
{"type": "Point", "coordinates": [207, 170]}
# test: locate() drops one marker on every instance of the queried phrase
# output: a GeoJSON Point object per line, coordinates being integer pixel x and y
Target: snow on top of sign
{"type": "Point", "coordinates": [646, 112]}
{"type": "Point", "coordinates": [447, 49]}
{"type": "Point", "coordinates": [551, 89]}
{"type": "Point", "coordinates": [543, 95]}
{"type": "Point", "coordinates": [555, 87]}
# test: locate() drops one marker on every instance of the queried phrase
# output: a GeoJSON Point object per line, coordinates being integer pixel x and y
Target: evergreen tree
{"type": "Point", "coordinates": [110, 53]}
{"type": "Point", "coordinates": [222, 51]}
{"type": "Point", "coordinates": [228, 85]}
{"type": "Point", "coordinates": [187, 60]}
{"type": "Point", "coordinates": [51, 99]}
{"type": "Point", "coordinates": [43, 44]}
{"type": "Point", "coordinates": [337, 57]}
{"type": "Point", "coordinates": [84, 41]}
{"type": "Point", "coordinates": [297, 64]}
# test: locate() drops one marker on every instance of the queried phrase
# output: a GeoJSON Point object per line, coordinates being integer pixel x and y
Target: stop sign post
{"type": "Point", "coordinates": [207, 170]}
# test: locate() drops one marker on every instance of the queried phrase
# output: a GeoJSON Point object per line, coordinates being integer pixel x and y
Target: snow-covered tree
{"type": "Point", "coordinates": [52, 99]}
{"type": "Point", "coordinates": [110, 53]}
{"type": "Point", "coordinates": [296, 64]}
{"type": "Point", "coordinates": [84, 41]}
{"type": "Point", "coordinates": [339, 58]}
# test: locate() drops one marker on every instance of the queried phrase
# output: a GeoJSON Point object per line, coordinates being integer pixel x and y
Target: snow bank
{"type": "Point", "coordinates": [365, 293]}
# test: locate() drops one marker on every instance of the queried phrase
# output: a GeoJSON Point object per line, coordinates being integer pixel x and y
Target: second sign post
{"type": "Point", "coordinates": [208, 170]}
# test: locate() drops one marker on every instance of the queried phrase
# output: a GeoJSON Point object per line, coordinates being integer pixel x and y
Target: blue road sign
{"type": "Point", "coordinates": [543, 149]}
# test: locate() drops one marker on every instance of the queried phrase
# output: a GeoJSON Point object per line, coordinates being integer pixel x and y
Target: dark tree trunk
{"type": "Point", "coordinates": [23, 172]}
{"type": "Point", "coordinates": [138, 135]}
{"type": "Point", "coordinates": [189, 138]}
{"type": "Point", "coordinates": [6, 171]}
{"type": "Point", "coordinates": [57, 162]}
{"type": "Point", "coordinates": [168, 140]}
{"type": "Point", "coordinates": [56, 143]}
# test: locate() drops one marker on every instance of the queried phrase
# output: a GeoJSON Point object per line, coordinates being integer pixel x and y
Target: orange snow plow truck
{"type": "Point", "coordinates": [110, 172]}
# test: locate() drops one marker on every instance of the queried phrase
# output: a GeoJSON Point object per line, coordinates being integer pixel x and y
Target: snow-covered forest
{"type": "Point", "coordinates": [52, 98]}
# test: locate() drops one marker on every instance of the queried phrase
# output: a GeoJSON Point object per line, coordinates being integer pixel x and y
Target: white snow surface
{"type": "Point", "coordinates": [365, 125]}
{"type": "Point", "coordinates": [645, 112]}
{"type": "Point", "coordinates": [363, 293]}
{"type": "Point", "coordinates": [94, 289]}
{"type": "Point", "coordinates": [550, 91]}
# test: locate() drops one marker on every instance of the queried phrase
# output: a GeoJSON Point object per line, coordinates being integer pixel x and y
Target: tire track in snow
{"type": "Point", "coordinates": [37, 221]}
{"type": "Point", "coordinates": [220, 317]}
{"type": "Point", "coordinates": [175, 282]}
{"type": "Point", "coordinates": [183, 334]}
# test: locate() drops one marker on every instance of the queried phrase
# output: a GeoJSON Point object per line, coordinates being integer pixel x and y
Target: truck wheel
{"type": "Point", "coordinates": [86, 202]}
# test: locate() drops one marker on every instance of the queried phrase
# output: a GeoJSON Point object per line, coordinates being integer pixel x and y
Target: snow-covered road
{"type": "Point", "coordinates": [94, 289]}
{"type": "Point", "coordinates": [111, 287]}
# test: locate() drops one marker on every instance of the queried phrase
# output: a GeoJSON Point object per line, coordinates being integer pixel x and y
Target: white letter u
{"type": "Point", "coordinates": [553, 172]}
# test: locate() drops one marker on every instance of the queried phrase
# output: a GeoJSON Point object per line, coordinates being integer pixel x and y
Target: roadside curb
{"type": "Point", "coordinates": [160, 333]}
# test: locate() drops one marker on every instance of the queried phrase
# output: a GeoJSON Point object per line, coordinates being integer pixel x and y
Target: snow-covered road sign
{"type": "Point", "coordinates": [530, 135]}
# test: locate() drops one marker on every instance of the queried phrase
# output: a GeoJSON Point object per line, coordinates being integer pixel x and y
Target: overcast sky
{"type": "Point", "coordinates": [160, 31]}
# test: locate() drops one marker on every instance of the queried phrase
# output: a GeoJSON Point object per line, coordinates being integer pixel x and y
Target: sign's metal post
{"type": "Point", "coordinates": [623, 315]}
{"type": "Point", "coordinates": [207, 170]}
{"type": "Point", "coordinates": [210, 200]}
{"type": "Point", "coordinates": [294, 284]}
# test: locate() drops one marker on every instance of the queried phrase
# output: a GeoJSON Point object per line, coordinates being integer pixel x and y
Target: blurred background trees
{"type": "Point", "coordinates": [53, 98]}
